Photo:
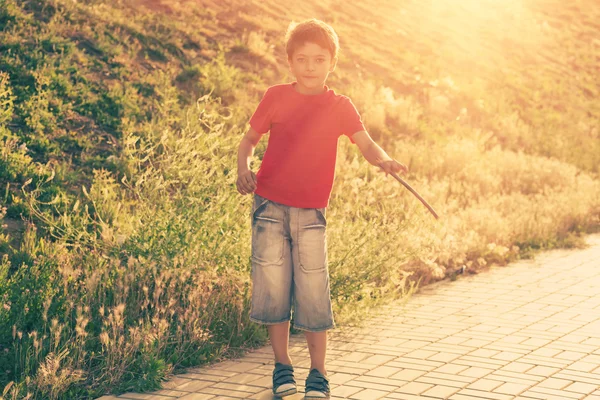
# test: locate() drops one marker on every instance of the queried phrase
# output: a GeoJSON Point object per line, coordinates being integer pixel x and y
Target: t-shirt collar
{"type": "Point", "coordinates": [310, 96]}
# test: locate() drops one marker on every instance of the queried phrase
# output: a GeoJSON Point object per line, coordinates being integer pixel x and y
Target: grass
{"type": "Point", "coordinates": [124, 244]}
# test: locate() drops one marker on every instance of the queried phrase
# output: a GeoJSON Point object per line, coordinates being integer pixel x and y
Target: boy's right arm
{"type": "Point", "coordinates": [246, 181]}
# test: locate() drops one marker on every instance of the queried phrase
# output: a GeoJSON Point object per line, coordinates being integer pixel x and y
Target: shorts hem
{"type": "Point", "coordinates": [320, 329]}
{"type": "Point", "coordinates": [259, 321]}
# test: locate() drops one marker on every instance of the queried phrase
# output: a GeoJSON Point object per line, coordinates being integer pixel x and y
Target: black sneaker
{"type": "Point", "coordinates": [317, 385]}
{"type": "Point", "coordinates": [283, 380]}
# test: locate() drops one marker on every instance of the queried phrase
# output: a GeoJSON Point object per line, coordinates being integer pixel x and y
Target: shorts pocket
{"type": "Point", "coordinates": [258, 202]}
{"type": "Point", "coordinates": [323, 212]}
{"type": "Point", "coordinates": [267, 232]}
{"type": "Point", "coordinates": [312, 246]}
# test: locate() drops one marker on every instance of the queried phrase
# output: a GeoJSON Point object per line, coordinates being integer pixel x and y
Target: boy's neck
{"type": "Point", "coordinates": [307, 91]}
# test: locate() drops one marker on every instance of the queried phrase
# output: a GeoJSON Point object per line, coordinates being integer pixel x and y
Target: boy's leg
{"type": "Point", "coordinates": [317, 347]}
{"type": "Point", "coordinates": [272, 274]}
{"type": "Point", "coordinates": [312, 299]}
{"type": "Point", "coordinates": [279, 335]}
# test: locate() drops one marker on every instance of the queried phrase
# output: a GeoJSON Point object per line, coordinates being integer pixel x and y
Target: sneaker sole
{"type": "Point", "coordinates": [288, 392]}
{"type": "Point", "coordinates": [317, 397]}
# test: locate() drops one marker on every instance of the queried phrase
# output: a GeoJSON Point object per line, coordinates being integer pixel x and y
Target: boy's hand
{"type": "Point", "coordinates": [246, 182]}
{"type": "Point", "coordinates": [390, 166]}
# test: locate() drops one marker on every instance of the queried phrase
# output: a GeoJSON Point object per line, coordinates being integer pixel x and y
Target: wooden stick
{"type": "Point", "coordinates": [415, 193]}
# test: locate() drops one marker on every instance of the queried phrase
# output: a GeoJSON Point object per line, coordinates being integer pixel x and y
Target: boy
{"type": "Point", "coordinates": [291, 193]}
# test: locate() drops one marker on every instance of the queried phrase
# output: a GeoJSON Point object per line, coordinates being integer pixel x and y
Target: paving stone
{"type": "Point", "coordinates": [451, 369]}
{"type": "Point", "coordinates": [580, 387]}
{"type": "Point", "coordinates": [170, 393]}
{"type": "Point", "coordinates": [570, 355]}
{"type": "Point", "coordinates": [440, 392]}
{"type": "Point", "coordinates": [421, 354]}
{"type": "Point", "coordinates": [511, 388]}
{"type": "Point", "coordinates": [444, 357]}
{"type": "Point", "coordinates": [382, 381]}
{"type": "Point", "coordinates": [377, 359]}
{"type": "Point", "coordinates": [414, 388]}
{"type": "Point", "coordinates": [486, 385]}
{"type": "Point", "coordinates": [517, 367]}
{"type": "Point", "coordinates": [345, 391]}
{"type": "Point", "coordinates": [546, 393]}
{"type": "Point", "coordinates": [554, 383]}
{"type": "Point", "coordinates": [198, 396]}
{"type": "Point", "coordinates": [403, 396]}
{"type": "Point", "coordinates": [546, 361]}
{"type": "Point", "coordinates": [514, 377]}
{"type": "Point", "coordinates": [366, 383]}
{"type": "Point", "coordinates": [582, 366]}
{"type": "Point", "coordinates": [591, 378]}
{"type": "Point", "coordinates": [369, 394]}
{"type": "Point", "coordinates": [243, 378]}
{"type": "Point", "coordinates": [264, 395]}
{"type": "Point", "coordinates": [187, 385]}
{"type": "Point", "coordinates": [237, 387]}
{"type": "Point", "coordinates": [383, 371]}
{"type": "Point", "coordinates": [407, 374]}
{"type": "Point", "coordinates": [340, 378]}
{"type": "Point", "coordinates": [355, 356]}
{"type": "Point", "coordinates": [507, 356]}
{"type": "Point", "coordinates": [410, 363]}
{"type": "Point", "coordinates": [478, 394]}
{"type": "Point", "coordinates": [542, 371]}
{"type": "Point", "coordinates": [485, 353]}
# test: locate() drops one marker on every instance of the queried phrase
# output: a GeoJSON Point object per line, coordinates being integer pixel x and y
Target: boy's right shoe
{"type": "Point", "coordinates": [317, 385]}
{"type": "Point", "coordinates": [283, 380]}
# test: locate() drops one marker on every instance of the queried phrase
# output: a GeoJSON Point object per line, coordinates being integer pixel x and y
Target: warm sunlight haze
{"type": "Point", "coordinates": [128, 221]}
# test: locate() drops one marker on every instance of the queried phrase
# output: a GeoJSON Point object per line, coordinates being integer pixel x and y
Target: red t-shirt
{"type": "Point", "coordinates": [299, 163]}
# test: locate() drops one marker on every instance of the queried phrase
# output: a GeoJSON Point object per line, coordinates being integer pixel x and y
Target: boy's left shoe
{"type": "Point", "coordinates": [317, 385]}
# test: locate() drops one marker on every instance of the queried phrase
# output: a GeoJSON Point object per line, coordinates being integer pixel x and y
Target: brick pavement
{"type": "Point", "coordinates": [529, 330]}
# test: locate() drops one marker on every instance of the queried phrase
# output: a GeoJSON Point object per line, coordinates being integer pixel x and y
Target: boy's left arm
{"type": "Point", "coordinates": [375, 154]}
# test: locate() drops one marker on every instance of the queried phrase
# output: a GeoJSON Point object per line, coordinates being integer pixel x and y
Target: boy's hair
{"type": "Point", "coordinates": [314, 31]}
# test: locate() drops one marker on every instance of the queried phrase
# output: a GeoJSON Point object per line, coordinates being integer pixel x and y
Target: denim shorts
{"type": "Point", "coordinates": [289, 266]}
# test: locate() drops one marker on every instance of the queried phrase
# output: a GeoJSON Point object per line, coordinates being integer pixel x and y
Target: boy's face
{"type": "Point", "coordinates": [311, 64]}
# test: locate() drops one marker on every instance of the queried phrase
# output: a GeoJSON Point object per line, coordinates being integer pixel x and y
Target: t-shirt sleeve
{"type": "Point", "coordinates": [350, 119]}
{"type": "Point", "coordinates": [263, 115]}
